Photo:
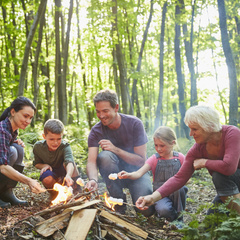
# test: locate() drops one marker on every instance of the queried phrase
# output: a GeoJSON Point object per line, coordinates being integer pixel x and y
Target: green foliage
{"type": "Point", "coordinates": [76, 136]}
{"type": "Point", "coordinates": [140, 219]}
{"type": "Point", "coordinates": [222, 224]}
{"type": "Point", "coordinates": [29, 138]}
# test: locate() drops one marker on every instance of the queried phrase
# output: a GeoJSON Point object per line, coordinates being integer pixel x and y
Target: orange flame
{"type": "Point", "coordinates": [63, 193]}
{"type": "Point", "coordinates": [109, 205]}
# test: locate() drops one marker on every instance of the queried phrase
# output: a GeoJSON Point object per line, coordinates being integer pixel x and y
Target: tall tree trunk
{"type": "Point", "coordinates": [161, 67]}
{"type": "Point", "coordinates": [63, 104]}
{"type": "Point", "coordinates": [89, 110]}
{"type": "Point", "coordinates": [35, 63]}
{"type": "Point", "coordinates": [58, 63]}
{"type": "Point", "coordinates": [121, 62]}
{"type": "Point", "coordinates": [28, 46]}
{"type": "Point", "coordinates": [13, 50]}
{"type": "Point", "coordinates": [115, 72]}
{"type": "Point", "coordinates": [189, 54]}
{"type": "Point", "coordinates": [181, 95]}
{"type": "Point", "coordinates": [233, 97]}
{"type": "Point", "coordinates": [7, 67]}
{"type": "Point", "coordinates": [70, 95]}
{"type": "Point", "coordinates": [134, 87]}
{"type": "Point", "coordinates": [36, 58]}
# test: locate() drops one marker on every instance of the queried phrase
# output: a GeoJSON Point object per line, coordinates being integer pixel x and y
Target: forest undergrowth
{"type": "Point", "coordinates": [222, 225]}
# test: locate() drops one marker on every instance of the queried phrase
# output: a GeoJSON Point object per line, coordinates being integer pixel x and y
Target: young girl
{"type": "Point", "coordinates": [163, 164]}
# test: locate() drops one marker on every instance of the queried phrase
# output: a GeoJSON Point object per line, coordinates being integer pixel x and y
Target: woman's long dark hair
{"type": "Point", "coordinates": [18, 104]}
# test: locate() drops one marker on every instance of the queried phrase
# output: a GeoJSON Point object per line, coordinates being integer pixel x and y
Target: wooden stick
{"type": "Point", "coordinates": [129, 204]}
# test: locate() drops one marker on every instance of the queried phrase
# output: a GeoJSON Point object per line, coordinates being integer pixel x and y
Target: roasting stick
{"type": "Point", "coordinates": [129, 204]}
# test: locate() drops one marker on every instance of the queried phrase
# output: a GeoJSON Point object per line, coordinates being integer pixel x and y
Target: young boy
{"type": "Point", "coordinates": [53, 156]}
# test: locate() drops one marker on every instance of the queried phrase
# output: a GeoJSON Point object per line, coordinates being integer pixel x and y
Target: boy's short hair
{"type": "Point", "coordinates": [53, 126]}
{"type": "Point", "coordinates": [106, 95]}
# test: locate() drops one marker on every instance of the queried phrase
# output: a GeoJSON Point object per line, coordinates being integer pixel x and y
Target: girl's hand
{"type": "Point", "coordinates": [123, 175]}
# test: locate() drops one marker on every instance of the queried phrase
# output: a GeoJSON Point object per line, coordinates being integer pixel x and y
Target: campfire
{"type": "Point", "coordinates": [64, 193]}
{"type": "Point", "coordinates": [75, 215]}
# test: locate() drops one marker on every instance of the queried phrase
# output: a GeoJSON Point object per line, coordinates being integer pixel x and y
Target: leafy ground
{"type": "Point", "coordinates": [12, 227]}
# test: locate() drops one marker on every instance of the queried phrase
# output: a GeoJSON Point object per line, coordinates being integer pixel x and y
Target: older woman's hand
{"type": "Point", "coordinates": [143, 202]}
{"type": "Point", "coordinates": [199, 163]}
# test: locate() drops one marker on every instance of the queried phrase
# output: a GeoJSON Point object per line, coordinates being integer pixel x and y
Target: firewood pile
{"type": "Point", "coordinates": [84, 213]}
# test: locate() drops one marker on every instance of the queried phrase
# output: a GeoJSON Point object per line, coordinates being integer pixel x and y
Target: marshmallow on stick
{"type": "Point", "coordinates": [115, 201]}
{"type": "Point", "coordinates": [113, 176]}
{"type": "Point", "coordinates": [80, 182]}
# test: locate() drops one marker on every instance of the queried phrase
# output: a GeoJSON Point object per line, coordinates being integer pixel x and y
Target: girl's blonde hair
{"type": "Point", "coordinates": [206, 117]}
{"type": "Point", "coordinates": [166, 134]}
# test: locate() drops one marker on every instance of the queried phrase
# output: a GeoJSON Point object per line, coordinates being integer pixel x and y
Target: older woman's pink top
{"type": "Point", "coordinates": [227, 164]}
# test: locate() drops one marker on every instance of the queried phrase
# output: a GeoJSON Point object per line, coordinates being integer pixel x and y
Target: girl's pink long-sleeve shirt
{"type": "Point", "coordinates": [227, 163]}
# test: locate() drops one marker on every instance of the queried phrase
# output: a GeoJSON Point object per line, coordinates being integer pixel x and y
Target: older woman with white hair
{"type": "Point", "coordinates": [217, 149]}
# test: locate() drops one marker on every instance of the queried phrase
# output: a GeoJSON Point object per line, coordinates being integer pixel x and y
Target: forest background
{"type": "Point", "coordinates": [161, 57]}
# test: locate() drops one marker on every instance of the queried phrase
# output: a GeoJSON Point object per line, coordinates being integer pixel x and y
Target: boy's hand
{"type": "Point", "coordinates": [124, 175]}
{"type": "Point", "coordinates": [69, 181]}
{"type": "Point", "coordinates": [45, 168]}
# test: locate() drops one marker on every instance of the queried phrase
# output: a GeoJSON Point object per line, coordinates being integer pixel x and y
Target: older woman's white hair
{"type": "Point", "coordinates": [206, 117]}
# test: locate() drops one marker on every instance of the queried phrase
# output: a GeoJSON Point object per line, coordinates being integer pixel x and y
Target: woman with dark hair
{"type": "Point", "coordinates": [18, 115]}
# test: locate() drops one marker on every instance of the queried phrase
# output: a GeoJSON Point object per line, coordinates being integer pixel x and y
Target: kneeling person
{"type": "Point", "coordinates": [53, 156]}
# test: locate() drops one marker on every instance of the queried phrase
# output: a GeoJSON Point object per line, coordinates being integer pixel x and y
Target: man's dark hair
{"type": "Point", "coordinates": [106, 95]}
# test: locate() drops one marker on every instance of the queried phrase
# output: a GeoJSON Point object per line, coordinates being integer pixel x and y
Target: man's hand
{"type": "Point", "coordinates": [45, 168]}
{"type": "Point", "coordinates": [107, 145]}
{"type": "Point", "coordinates": [91, 185]}
{"type": "Point", "coordinates": [199, 163]}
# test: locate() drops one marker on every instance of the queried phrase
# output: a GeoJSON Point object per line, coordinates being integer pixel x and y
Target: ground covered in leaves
{"type": "Point", "coordinates": [15, 224]}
